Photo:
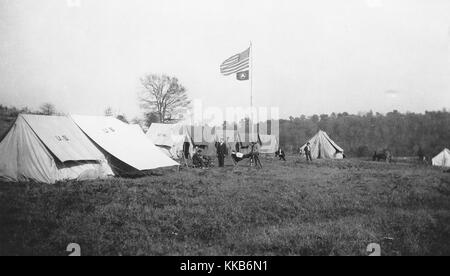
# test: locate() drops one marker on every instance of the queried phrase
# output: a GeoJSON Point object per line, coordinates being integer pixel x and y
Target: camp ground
{"type": "Point", "coordinates": [224, 128]}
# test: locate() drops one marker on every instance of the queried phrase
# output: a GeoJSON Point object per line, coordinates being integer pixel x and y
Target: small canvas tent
{"type": "Point", "coordinates": [169, 138]}
{"type": "Point", "coordinates": [322, 147]}
{"type": "Point", "coordinates": [127, 148]}
{"type": "Point", "coordinates": [442, 159]}
{"type": "Point", "coordinates": [269, 144]}
{"type": "Point", "coordinates": [49, 149]}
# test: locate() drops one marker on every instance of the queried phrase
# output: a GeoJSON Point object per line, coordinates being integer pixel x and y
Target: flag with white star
{"type": "Point", "coordinates": [243, 76]}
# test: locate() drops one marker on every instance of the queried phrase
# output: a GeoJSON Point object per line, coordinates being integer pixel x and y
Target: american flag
{"type": "Point", "coordinates": [236, 64]}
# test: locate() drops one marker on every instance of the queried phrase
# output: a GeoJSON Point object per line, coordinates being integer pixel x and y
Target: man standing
{"type": "Point", "coordinates": [221, 152]}
{"type": "Point", "coordinates": [308, 152]}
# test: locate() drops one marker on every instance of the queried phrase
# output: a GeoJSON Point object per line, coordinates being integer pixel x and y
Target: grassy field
{"type": "Point", "coordinates": [292, 208]}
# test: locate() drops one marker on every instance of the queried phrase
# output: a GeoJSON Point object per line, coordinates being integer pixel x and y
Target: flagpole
{"type": "Point", "coordinates": [251, 86]}
{"type": "Point", "coordinates": [251, 74]}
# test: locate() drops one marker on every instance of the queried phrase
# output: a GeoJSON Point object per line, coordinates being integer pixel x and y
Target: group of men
{"type": "Point", "coordinates": [202, 161]}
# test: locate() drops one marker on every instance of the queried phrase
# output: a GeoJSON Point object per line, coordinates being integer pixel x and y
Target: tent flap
{"type": "Point", "coordinates": [63, 138]}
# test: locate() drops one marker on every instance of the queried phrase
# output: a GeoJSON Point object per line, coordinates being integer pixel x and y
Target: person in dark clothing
{"type": "Point", "coordinates": [281, 155]}
{"type": "Point", "coordinates": [421, 155]}
{"type": "Point", "coordinates": [308, 152]}
{"type": "Point", "coordinates": [221, 152]}
{"type": "Point", "coordinates": [197, 158]}
{"type": "Point", "coordinates": [186, 147]}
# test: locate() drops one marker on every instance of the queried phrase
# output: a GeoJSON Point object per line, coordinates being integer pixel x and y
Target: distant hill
{"type": "Point", "coordinates": [405, 134]}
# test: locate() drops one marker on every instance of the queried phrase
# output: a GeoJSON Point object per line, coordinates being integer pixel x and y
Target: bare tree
{"type": "Point", "coordinates": [164, 96]}
{"type": "Point", "coordinates": [47, 109]}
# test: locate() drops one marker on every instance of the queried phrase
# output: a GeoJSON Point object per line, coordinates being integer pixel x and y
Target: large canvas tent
{"type": "Point", "coordinates": [49, 149]}
{"type": "Point", "coordinates": [269, 144]}
{"type": "Point", "coordinates": [442, 159]}
{"type": "Point", "coordinates": [322, 147]}
{"type": "Point", "coordinates": [126, 147]}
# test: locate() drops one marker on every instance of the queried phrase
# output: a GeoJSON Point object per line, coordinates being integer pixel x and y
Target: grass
{"type": "Point", "coordinates": [292, 208]}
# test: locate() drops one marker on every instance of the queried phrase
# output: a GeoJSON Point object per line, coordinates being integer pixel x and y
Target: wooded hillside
{"type": "Point", "coordinates": [361, 135]}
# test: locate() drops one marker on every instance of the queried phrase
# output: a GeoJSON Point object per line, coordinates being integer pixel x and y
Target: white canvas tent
{"type": "Point", "coordinates": [126, 144]}
{"type": "Point", "coordinates": [169, 138]}
{"type": "Point", "coordinates": [49, 149]}
{"type": "Point", "coordinates": [322, 147]}
{"type": "Point", "coordinates": [269, 144]}
{"type": "Point", "coordinates": [442, 159]}
{"type": "Point", "coordinates": [161, 134]}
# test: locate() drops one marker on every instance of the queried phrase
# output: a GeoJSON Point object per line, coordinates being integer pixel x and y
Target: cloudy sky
{"type": "Point", "coordinates": [309, 56]}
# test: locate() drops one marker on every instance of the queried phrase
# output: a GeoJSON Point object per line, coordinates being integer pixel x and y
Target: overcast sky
{"type": "Point", "coordinates": [309, 56]}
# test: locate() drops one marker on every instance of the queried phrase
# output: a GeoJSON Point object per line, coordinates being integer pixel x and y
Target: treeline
{"type": "Point", "coordinates": [360, 135]}
{"type": "Point", "coordinates": [7, 117]}
{"type": "Point", "coordinates": [9, 114]}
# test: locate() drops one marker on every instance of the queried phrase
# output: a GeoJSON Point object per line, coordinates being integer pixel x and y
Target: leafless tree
{"type": "Point", "coordinates": [47, 109]}
{"type": "Point", "coordinates": [164, 96]}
